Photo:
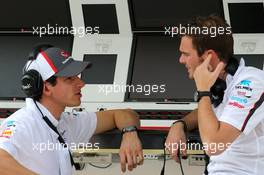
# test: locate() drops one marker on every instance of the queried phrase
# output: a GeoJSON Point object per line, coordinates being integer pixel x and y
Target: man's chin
{"type": "Point", "coordinates": [74, 104]}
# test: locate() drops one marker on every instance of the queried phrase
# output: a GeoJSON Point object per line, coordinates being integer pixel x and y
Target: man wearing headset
{"type": "Point", "coordinates": [230, 113]}
{"type": "Point", "coordinates": [37, 138]}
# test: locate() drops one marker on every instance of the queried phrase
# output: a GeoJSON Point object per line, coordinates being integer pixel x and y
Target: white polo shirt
{"type": "Point", "coordinates": [243, 108]}
{"type": "Point", "coordinates": [27, 137]}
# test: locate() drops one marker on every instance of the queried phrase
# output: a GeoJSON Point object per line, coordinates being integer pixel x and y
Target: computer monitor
{"type": "Point", "coordinates": [246, 19]}
{"type": "Point", "coordinates": [14, 51]}
{"type": "Point", "coordinates": [102, 70]}
{"type": "Point", "coordinates": [101, 17]}
{"type": "Point", "coordinates": [154, 15]}
{"type": "Point", "coordinates": [17, 15]}
{"type": "Point", "coordinates": [156, 73]}
{"type": "Point", "coordinates": [245, 16]}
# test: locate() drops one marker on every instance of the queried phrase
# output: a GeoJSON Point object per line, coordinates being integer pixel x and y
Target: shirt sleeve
{"type": "Point", "coordinates": [13, 138]}
{"type": "Point", "coordinates": [82, 125]}
{"type": "Point", "coordinates": [244, 108]}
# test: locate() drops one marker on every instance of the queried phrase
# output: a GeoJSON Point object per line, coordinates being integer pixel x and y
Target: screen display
{"type": "Point", "coordinates": [14, 51]}
{"type": "Point", "coordinates": [157, 14]}
{"type": "Point", "coordinates": [17, 15]}
{"type": "Point", "coordinates": [101, 17]}
{"type": "Point", "coordinates": [102, 70]}
{"type": "Point", "coordinates": [156, 73]}
{"type": "Point", "coordinates": [246, 17]}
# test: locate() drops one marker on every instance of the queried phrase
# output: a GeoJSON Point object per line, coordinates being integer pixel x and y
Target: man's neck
{"type": "Point", "coordinates": [54, 108]}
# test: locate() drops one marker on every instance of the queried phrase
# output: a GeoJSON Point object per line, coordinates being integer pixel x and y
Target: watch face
{"type": "Point", "coordinates": [195, 97]}
{"type": "Point", "coordinates": [129, 129]}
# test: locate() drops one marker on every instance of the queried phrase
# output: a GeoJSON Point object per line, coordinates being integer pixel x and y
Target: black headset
{"type": "Point", "coordinates": [32, 82]}
{"type": "Point", "coordinates": [219, 86]}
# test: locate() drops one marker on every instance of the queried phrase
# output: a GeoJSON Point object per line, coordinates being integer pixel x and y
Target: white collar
{"type": "Point", "coordinates": [31, 105]}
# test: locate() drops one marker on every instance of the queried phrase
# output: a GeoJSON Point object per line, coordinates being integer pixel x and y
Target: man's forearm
{"type": "Point", "coordinates": [9, 166]}
{"type": "Point", "coordinates": [191, 120]}
{"type": "Point", "coordinates": [207, 121]}
{"type": "Point", "coordinates": [125, 118]}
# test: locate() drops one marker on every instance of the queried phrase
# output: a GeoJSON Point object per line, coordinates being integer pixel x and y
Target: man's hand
{"type": "Point", "coordinates": [130, 151]}
{"type": "Point", "coordinates": [176, 140]}
{"type": "Point", "coordinates": [204, 77]}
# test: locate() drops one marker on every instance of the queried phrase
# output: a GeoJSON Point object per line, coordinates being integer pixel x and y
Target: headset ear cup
{"type": "Point", "coordinates": [219, 87]}
{"type": "Point", "coordinates": [218, 90]}
{"type": "Point", "coordinates": [32, 83]}
{"type": "Point", "coordinates": [232, 66]}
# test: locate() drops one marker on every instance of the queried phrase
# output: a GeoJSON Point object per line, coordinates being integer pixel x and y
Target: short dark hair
{"type": "Point", "coordinates": [222, 43]}
{"type": "Point", "coordinates": [52, 80]}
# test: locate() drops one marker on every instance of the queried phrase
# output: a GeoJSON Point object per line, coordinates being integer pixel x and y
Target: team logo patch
{"type": "Point", "coordinates": [8, 129]}
{"type": "Point", "coordinates": [10, 123]}
{"type": "Point", "coordinates": [244, 88]}
{"type": "Point", "coordinates": [245, 83]}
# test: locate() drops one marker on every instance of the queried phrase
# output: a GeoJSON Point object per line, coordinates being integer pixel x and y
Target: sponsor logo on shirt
{"type": "Point", "coordinates": [244, 88]}
{"type": "Point", "coordinates": [8, 130]}
{"type": "Point", "coordinates": [236, 104]}
{"type": "Point", "coordinates": [245, 83]}
{"type": "Point", "coordinates": [75, 113]}
{"type": "Point", "coordinates": [239, 100]}
{"type": "Point", "coordinates": [10, 123]}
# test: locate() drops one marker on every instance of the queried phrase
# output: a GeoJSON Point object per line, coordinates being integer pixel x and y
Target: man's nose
{"type": "Point", "coordinates": [182, 60]}
{"type": "Point", "coordinates": [80, 82]}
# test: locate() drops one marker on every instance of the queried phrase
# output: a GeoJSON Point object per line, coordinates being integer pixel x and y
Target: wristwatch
{"type": "Point", "coordinates": [181, 121]}
{"type": "Point", "coordinates": [129, 129]}
{"type": "Point", "coordinates": [199, 94]}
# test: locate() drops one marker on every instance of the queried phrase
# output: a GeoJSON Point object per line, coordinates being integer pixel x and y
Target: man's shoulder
{"type": "Point", "coordinates": [21, 118]}
{"type": "Point", "coordinates": [251, 72]}
{"type": "Point", "coordinates": [16, 124]}
{"type": "Point", "coordinates": [250, 76]}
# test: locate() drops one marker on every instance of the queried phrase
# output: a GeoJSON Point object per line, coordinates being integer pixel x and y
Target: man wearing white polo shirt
{"type": "Point", "coordinates": [37, 139]}
{"type": "Point", "coordinates": [230, 96]}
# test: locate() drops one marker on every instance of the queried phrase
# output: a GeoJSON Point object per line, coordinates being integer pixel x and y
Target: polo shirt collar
{"type": "Point", "coordinates": [31, 105]}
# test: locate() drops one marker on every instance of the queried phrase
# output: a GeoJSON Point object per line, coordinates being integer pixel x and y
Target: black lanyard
{"type": "Point", "coordinates": [61, 140]}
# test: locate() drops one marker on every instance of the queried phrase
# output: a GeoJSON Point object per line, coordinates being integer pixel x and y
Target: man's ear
{"type": "Point", "coordinates": [47, 88]}
{"type": "Point", "coordinates": [214, 55]}
{"type": "Point", "coordinates": [214, 58]}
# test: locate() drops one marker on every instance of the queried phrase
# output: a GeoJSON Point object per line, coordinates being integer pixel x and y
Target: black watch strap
{"type": "Point", "coordinates": [129, 129]}
{"type": "Point", "coordinates": [200, 94]}
{"type": "Point", "coordinates": [183, 122]}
